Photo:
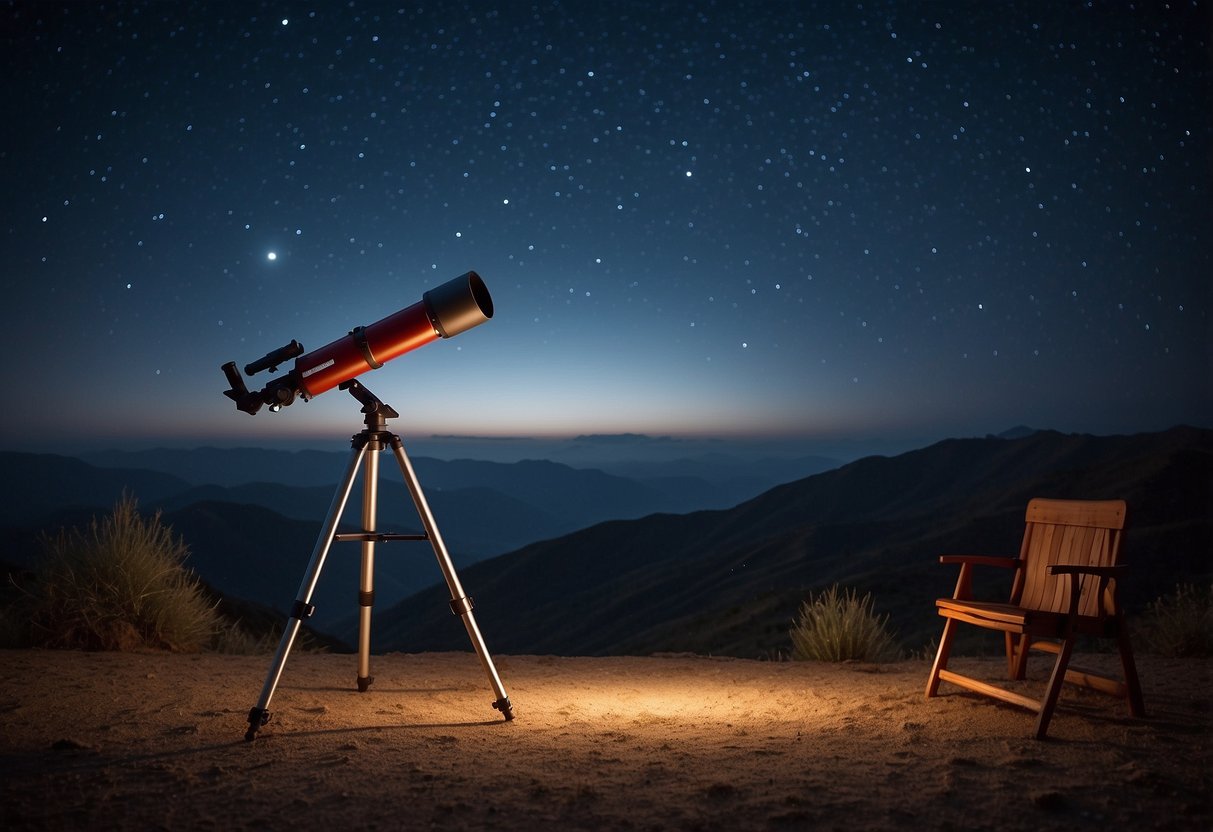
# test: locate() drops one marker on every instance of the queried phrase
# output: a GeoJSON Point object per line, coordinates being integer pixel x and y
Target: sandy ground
{"type": "Point", "coordinates": [155, 741]}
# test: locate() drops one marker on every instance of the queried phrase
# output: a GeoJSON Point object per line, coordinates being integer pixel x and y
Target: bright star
{"type": "Point", "coordinates": [273, 255]}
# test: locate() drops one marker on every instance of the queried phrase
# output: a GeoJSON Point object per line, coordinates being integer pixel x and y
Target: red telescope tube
{"type": "Point", "coordinates": [454, 307]}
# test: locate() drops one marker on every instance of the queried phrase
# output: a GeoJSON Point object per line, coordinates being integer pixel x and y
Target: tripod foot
{"type": "Point", "coordinates": [503, 705]}
{"type": "Point", "coordinates": [256, 718]}
{"type": "Point", "coordinates": [364, 682]}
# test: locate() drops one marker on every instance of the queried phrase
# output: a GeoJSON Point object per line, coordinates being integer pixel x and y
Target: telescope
{"type": "Point", "coordinates": [443, 312]}
{"type": "Point", "coordinates": [454, 307]}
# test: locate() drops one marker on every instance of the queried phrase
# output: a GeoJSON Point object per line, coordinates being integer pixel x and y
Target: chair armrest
{"type": "Point", "coordinates": [964, 582]}
{"type": "Point", "coordinates": [982, 560]}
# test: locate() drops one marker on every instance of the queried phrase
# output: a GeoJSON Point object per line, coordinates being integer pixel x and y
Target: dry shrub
{"type": "Point", "coordinates": [120, 584]}
{"type": "Point", "coordinates": [838, 626]}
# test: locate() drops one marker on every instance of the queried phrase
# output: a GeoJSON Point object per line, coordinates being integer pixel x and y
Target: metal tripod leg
{"type": "Point", "coordinates": [461, 605]}
{"type": "Point", "coordinates": [259, 715]}
{"type": "Point", "coordinates": [366, 581]}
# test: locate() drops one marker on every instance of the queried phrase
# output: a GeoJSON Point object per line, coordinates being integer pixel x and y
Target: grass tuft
{"type": "Point", "coordinates": [1180, 625]}
{"type": "Point", "coordinates": [839, 626]}
{"type": "Point", "coordinates": [120, 584]}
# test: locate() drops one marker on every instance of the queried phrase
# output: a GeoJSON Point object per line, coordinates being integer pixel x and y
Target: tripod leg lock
{"type": "Point", "coordinates": [301, 610]}
{"type": "Point", "coordinates": [462, 606]}
{"type": "Point", "coordinates": [366, 599]}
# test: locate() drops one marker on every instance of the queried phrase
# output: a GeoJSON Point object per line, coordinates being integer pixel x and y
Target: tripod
{"type": "Point", "coordinates": [366, 446]}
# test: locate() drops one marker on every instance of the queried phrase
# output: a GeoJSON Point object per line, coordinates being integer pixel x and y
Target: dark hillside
{"type": "Point", "coordinates": [729, 582]}
{"type": "Point", "coordinates": [248, 552]}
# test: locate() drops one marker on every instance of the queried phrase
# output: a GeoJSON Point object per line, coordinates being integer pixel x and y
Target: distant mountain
{"type": "Point", "coordinates": [730, 581]}
{"type": "Point", "coordinates": [252, 539]}
{"type": "Point", "coordinates": [579, 494]}
{"type": "Point", "coordinates": [33, 487]}
{"type": "Point", "coordinates": [231, 466]}
{"type": "Point", "coordinates": [483, 508]}
{"type": "Point", "coordinates": [561, 490]}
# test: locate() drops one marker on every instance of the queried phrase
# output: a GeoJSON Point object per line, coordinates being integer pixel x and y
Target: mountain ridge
{"type": "Point", "coordinates": [659, 584]}
{"type": "Point", "coordinates": [722, 580]}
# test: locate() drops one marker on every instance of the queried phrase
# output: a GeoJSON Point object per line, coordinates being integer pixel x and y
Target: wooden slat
{"type": "Point", "coordinates": [1096, 681]}
{"type": "Point", "coordinates": [1106, 514]}
{"type": "Point", "coordinates": [984, 609]}
{"type": "Point", "coordinates": [1076, 548]}
{"type": "Point", "coordinates": [987, 623]}
{"type": "Point", "coordinates": [1097, 556]}
{"type": "Point", "coordinates": [1056, 596]}
{"type": "Point", "coordinates": [1115, 537]}
{"type": "Point", "coordinates": [1018, 583]}
{"type": "Point", "coordinates": [1036, 578]}
{"type": "Point", "coordinates": [990, 690]}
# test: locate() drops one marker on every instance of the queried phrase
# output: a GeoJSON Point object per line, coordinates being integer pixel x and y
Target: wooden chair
{"type": "Point", "coordinates": [1064, 588]}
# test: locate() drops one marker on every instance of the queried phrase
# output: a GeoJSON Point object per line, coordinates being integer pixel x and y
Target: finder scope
{"type": "Point", "coordinates": [443, 312]}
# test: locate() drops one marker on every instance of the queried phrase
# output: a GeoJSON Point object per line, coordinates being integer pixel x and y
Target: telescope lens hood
{"type": "Point", "coordinates": [458, 305]}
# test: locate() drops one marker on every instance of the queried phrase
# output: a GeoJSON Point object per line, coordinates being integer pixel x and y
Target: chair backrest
{"type": "Point", "coordinates": [1085, 532]}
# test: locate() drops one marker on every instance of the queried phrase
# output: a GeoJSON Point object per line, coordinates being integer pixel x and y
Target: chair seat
{"type": "Point", "coordinates": [1002, 616]}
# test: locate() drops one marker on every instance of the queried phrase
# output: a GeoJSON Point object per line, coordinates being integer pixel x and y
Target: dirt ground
{"type": "Point", "coordinates": [156, 741]}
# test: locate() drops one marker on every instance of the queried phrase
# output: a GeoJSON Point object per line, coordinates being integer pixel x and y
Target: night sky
{"type": "Point", "coordinates": [829, 220]}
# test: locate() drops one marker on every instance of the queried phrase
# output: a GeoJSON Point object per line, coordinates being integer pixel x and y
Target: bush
{"type": "Point", "coordinates": [120, 584]}
{"type": "Point", "coordinates": [1180, 625]}
{"type": "Point", "coordinates": [839, 627]}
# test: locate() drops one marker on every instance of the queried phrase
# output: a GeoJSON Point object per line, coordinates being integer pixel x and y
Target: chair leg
{"type": "Point", "coordinates": [1020, 670]}
{"type": "Point", "coordinates": [941, 656]}
{"type": "Point", "coordinates": [1137, 704]}
{"type": "Point", "coordinates": [1049, 702]}
{"type": "Point", "coordinates": [1025, 649]}
{"type": "Point", "coordinates": [1010, 641]}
